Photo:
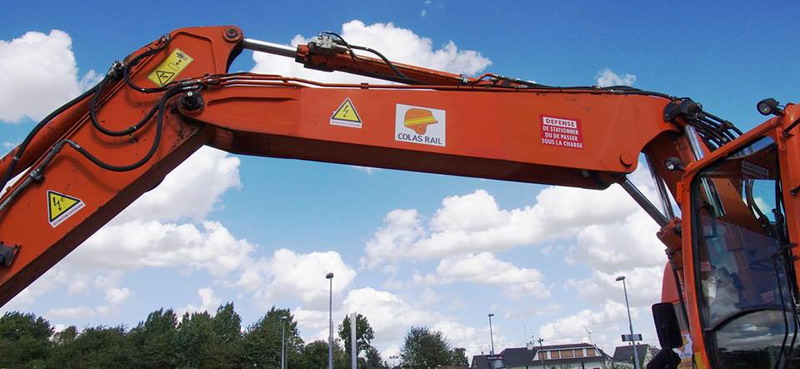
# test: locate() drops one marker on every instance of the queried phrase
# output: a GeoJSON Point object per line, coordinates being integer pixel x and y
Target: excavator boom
{"type": "Point", "coordinates": [93, 157]}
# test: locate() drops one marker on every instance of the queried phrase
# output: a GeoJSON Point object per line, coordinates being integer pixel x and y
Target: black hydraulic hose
{"type": "Point", "coordinates": [126, 72]}
{"type": "Point", "coordinates": [24, 145]}
{"type": "Point", "coordinates": [96, 123]}
{"type": "Point", "coordinates": [156, 140]}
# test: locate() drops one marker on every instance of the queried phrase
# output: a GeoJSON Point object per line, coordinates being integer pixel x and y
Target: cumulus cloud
{"type": "Point", "coordinates": [398, 44]}
{"type": "Point", "coordinates": [485, 268]}
{"type": "Point", "coordinates": [573, 328]}
{"type": "Point", "coordinates": [606, 77]}
{"type": "Point", "coordinates": [300, 275]}
{"type": "Point", "coordinates": [208, 303]}
{"type": "Point", "coordinates": [37, 62]}
{"type": "Point", "coordinates": [139, 243]}
{"type": "Point", "coordinates": [190, 191]}
{"type": "Point", "coordinates": [474, 223]}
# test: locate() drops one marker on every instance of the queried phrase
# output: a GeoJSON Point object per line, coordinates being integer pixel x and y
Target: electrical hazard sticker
{"type": "Point", "coordinates": [561, 132]}
{"type": "Point", "coordinates": [420, 125]}
{"type": "Point", "coordinates": [60, 207]}
{"type": "Point", "coordinates": [346, 115]}
{"type": "Point", "coordinates": [173, 65]}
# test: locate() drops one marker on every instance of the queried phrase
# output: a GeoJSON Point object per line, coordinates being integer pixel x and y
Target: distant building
{"type": "Point", "coordinates": [623, 355]}
{"type": "Point", "coordinates": [567, 356]}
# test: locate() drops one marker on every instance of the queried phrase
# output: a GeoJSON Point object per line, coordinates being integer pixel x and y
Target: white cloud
{"type": "Point", "coordinates": [189, 191]}
{"type": "Point", "coordinates": [572, 328]}
{"type": "Point", "coordinates": [208, 303]}
{"type": "Point", "coordinates": [33, 63]}
{"type": "Point", "coordinates": [485, 268]}
{"type": "Point", "coordinates": [398, 44]}
{"type": "Point", "coordinates": [290, 274]}
{"type": "Point", "coordinates": [70, 313]}
{"type": "Point", "coordinates": [388, 314]}
{"type": "Point", "coordinates": [140, 243]}
{"type": "Point", "coordinates": [606, 77]}
{"type": "Point", "coordinates": [474, 223]}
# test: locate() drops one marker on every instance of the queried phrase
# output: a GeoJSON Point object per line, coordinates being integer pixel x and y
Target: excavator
{"type": "Point", "coordinates": [729, 212]}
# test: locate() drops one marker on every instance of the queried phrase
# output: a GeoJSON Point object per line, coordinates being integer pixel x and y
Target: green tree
{"type": "Point", "coordinates": [193, 339]}
{"type": "Point", "coordinates": [458, 357]}
{"type": "Point", "coordinates": [24, 339]}
{"type": "Point", "coordinates": [374, 359]}
{"type": "Point", "coordinates": [424, 349]}
{"type": "Point", "coordinates": [225, 346]}
{"type": "Point", "coordinates": [262, 341]}
{"type": "Point", "coordinates": [98, 347]}
{"type": "Point", "coordinates": [155, 341]}
{"type": "Point", "coordinates": [315, 355]}
{"type": "Point", "coordinates": [364, 336]}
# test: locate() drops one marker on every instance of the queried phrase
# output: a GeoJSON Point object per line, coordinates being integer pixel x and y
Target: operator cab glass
{"type": "Point", "coordinates": [741, 270]}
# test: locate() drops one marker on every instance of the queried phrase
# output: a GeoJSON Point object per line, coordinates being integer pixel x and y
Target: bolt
{"type": "Point", "coordinates": [231, 33]}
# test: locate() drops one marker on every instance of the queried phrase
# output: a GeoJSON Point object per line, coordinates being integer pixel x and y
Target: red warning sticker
{"type": "Point", "coordinates": [561, 132]}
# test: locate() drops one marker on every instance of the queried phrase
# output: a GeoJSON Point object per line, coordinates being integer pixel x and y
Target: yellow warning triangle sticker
{"type": "Point", "coordinates": [346, 115]}
{"type": "Point", "coordinates": [61, 206]}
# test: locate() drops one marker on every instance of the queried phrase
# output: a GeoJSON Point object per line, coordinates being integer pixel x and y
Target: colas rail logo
{"type": "Point", "coordinates": [420, 125]}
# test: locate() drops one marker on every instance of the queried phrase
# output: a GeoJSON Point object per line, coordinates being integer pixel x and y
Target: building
{"type": "Point", "coordinates": [567, 356]}
{"type": "Point", "coordinates": [623, 355]}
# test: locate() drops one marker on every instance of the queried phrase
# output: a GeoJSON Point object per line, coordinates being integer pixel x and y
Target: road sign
{"type": "Point", "coordinates": [494, 357]}
{"type": "Point", "coordinates": [631, 337]}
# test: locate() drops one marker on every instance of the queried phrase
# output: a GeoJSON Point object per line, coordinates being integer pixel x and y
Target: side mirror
{"type": "Point", "coordinates": [667, 327]}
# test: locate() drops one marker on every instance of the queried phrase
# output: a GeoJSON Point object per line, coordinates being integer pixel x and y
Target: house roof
{"type": "Point", "coordinates": [625, 353]}
{"type": "Point", "coordinates": [521, 356]}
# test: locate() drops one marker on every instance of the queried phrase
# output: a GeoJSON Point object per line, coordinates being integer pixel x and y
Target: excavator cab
{"type": "Point", "coordinates": [740, 269]}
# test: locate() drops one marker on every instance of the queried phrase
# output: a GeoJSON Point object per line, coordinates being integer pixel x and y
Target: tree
{"type": "Point", "coordinates": [315, 355]}
{"type": "Point", "coordinates": [374, 359]}
{"type": "Point", "coordinates": [193, 339]}
{"type": "Point", "coordinates": [24, 338]}
{"type": "Point", "coordinates": [97, 347]}
{"type": "Point", "coordinates": [262, 341]}
{"type": "Point", "coordinates": [424, 349]}
{"type": "Point", "coordinates": [226, 342]}
{"type": "Point", "coordinates": [364, 335]}
{"type": "Point", "coordinates": [154, 340]}
{"type": "Point", "coordinates": [458, 357]}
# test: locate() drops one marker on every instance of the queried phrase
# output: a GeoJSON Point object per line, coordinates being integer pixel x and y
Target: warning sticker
{"type": "Point", "coordinates": [173, 65]}
{"type": "Point", "coordinates": [60, 207]}
{"type": "Point", "coordinates": [561, 132]}
{"type": "Point", "coordinates": [346, 115]}
{"type": "Point", "coordinates": [420, 125]}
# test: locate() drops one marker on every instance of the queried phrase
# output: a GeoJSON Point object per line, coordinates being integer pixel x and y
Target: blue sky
{"type": "Point", "coordinates": [281, 224]}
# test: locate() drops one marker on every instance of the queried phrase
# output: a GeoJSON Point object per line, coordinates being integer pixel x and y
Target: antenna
{"type": "Point", "coordinates": [588, 331]}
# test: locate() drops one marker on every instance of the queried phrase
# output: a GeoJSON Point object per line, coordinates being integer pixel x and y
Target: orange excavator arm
{"type": "Point", "coordinates": [90, 159]}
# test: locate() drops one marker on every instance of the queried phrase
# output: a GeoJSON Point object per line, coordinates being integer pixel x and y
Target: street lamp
{"type": "Point", "coordinates": [283, 342]}
{"type": "Point", "coordinates": [329, 277]}
{"type": "Point", "coordinates": [491, 334]}
{"type": "Point", "coordinates": [630, 323]}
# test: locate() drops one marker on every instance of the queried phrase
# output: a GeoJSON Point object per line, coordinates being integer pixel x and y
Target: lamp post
{"type": "Point", "coordinates": [283, 342]}
{"type": "Point", "coordinates": [491, 334]}
{"type": "Point", "coordinates": [630, 323]}
{"type": "Point", "coordinates": [329, 277]}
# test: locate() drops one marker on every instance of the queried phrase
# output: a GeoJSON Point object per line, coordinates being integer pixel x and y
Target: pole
{"type": "Point", "coordinates": [491, 334]}
{"type": "Point", "coordinates": [353, 343]}
{"type": "Point", "coordinates": [541, 350]}
{"type": "Point", "coordinates": [636, 363]}
{"type": "Point", "coordinates": [283, 342]}
{"type": "Point", "coordinates": [329, 276]}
